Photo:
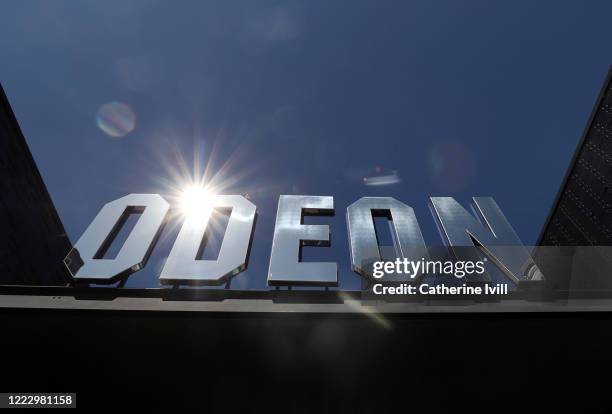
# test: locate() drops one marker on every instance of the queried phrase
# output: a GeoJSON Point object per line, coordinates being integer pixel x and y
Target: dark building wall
{"type": "Point", "coordinates": [582, 212]}
{"type": "Point", "coordinates": [33, 241]}
{"type": "Point", "coordinates": [313, 363]}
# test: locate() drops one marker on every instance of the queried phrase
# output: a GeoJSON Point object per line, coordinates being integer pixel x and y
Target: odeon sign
{"type": "Point", "coordinates": [491, 232]}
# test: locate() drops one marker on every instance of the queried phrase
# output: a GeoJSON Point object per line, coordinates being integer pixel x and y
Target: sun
{"type": "Point", "coordinates": [196, 200]}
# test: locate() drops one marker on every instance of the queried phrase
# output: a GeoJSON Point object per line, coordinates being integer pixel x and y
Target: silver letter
{"type": "Point", "coordinates": [182, 266]}
{"type": "Point", "coordinates": [498, 239]}
{"type": "Point", "coordinates": [289, 237]}
{"type": "Point", "coordinates": [84, 261]}
{"type": "Point", "coordinates": [406, 233]}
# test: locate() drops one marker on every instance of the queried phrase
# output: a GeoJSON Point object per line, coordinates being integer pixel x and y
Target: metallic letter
{"type": "Point", "coordinates": [289, 237]}
{"type": "Point", "coordinates": [84, 262]}
{"type": "Point", "coordinates": [363, 241]}
{"type": "Point", "coordinates": [182, 266]}
{"type": "Point", "coordinates": [497, 239]}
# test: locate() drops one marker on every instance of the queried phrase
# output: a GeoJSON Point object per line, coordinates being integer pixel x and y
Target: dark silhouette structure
{"type": "Point", "coordinates": [33, 241]}
{"type": "Point", "coordinates": [580, 221]}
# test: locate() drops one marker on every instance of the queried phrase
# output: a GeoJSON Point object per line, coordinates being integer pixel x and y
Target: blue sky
{"type": "Point", "coordinates": [458, 98]}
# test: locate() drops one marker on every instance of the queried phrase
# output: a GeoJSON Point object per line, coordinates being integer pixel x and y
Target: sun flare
{"type": "Point", "coordinates": [196, 200]}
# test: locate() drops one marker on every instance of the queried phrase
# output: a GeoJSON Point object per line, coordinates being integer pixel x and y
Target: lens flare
{"type": "Point", "coordinates": [116, 119]}
{"type": "Point", "coordinates": [388, 179]}
{"type": "Point", "coordinates": [451, 165]}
